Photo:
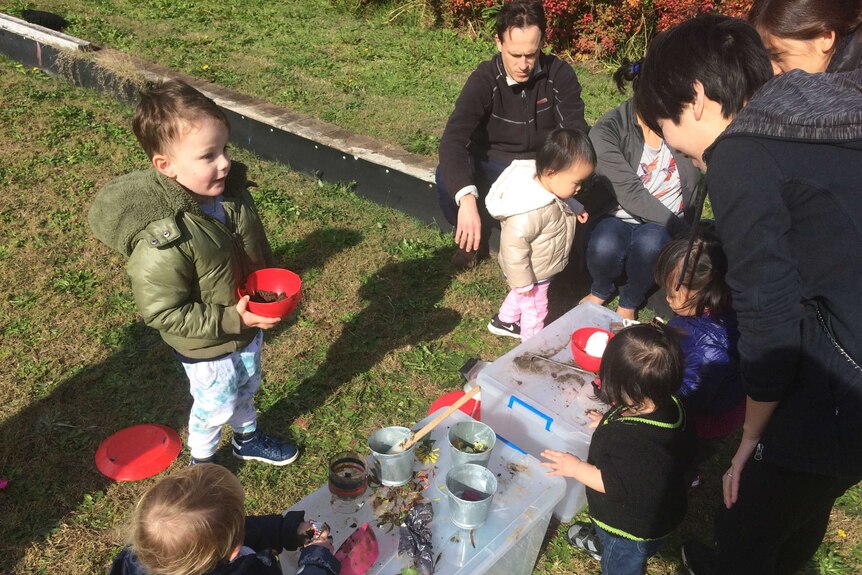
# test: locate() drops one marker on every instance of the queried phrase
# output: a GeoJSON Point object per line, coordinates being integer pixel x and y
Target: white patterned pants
{"type": "Point", "coordinates": [223, 392]}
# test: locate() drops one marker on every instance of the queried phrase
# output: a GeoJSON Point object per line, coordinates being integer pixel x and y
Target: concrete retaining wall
{"type": "Point", "coordinates": [381, 172]}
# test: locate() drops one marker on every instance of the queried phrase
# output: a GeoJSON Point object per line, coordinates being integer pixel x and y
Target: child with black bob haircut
{"type": "Point", "coordinates": [700, 297]}
{"type": "Point", "coordinates": [193, 523]}
{"type": "Point", "coordinates": [640, 454]}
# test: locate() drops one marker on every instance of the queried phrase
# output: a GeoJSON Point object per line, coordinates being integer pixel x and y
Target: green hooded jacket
{"type": "Point", "coordinates": [185, 266]}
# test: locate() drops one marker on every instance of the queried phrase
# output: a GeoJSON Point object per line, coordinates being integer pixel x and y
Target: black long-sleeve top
{"type": "Point", "coordinates": [644, 462]}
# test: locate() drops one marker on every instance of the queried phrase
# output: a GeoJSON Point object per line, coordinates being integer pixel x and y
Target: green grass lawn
{"type": "Point", "coordinates": [393, 81]}
{"type": "Point", "coordinates": [382, 329]}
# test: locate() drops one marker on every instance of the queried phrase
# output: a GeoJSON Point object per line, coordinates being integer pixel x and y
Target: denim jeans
{"type": "Point", "coordinates": [615, 246]}
{"type": "Point", "coordinates": [485, 173]}
{"type": "Point", "coordinates": [623, 556]}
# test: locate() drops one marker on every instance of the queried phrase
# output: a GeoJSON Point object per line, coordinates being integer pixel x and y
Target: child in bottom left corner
{"type": "Point", "coordinates": [194, 523]}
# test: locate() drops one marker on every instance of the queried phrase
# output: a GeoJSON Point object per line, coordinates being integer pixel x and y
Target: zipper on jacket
{"type": "Point", "coordinates": [526, 118]}
{"type": "Point", "coordinates": [758, 454]}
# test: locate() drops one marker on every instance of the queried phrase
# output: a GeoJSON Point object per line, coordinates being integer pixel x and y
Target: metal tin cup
{"type": "Point", "coordinates": [465, 436]}
{"type": "Point", "coordinates": [393, 469]}
{"type": "Point", "coordinates": [471, 490]}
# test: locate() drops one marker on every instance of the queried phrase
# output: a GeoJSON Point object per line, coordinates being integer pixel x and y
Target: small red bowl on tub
{"type": "Point", "coordinates": [277, 281]}
{"type": "Point", "coordinates": [579, 344]}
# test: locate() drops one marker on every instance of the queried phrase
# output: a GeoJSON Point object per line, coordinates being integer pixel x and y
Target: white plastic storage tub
{"type": "Point", "coordinates": [534, 404]}
{"type": "Point", "coordinates": [507, 544]}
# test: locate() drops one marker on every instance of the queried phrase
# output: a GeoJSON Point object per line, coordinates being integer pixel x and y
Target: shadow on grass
{"type": "Point", "coordinates": [47, 448]}
{"type": "Point", "coordinates": [312, 251]}
{"type": "Point", "coordinates": [403, 309]}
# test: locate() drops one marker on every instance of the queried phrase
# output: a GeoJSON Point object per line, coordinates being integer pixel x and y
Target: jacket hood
{"type": "Point", "coordinates": [128, 204]}
{"type": "Point", "coordinates": [848, 53]}
{"type": "Point", "coordinates": [517, 191]}
{"type": "Point", "coordinates": [801, 106]}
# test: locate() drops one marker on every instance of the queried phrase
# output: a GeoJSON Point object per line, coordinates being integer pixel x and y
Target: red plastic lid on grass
{"type": "Point", "coordinates": [138, 452]}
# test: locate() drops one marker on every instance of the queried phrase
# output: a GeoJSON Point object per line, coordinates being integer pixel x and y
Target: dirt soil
{"type": "Point", "coordinates": [263, 296]}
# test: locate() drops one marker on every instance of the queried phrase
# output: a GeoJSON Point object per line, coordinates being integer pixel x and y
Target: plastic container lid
{"type": "Point", "coordinates": [138, 452]}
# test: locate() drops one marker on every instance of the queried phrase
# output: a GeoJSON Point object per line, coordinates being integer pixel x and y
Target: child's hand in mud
{"type": "Point", "coordinates": [314, 534]}
{"type": "Point", "coordinates": [595, 417]}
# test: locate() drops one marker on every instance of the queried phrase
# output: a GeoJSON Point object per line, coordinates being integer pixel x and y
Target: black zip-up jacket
{"type": "Point", "coordinates": [494, 120]}
{"type": "Point", "coordinates": [644, 461]}
{"type": "Point", "coordinates": [784, 180]}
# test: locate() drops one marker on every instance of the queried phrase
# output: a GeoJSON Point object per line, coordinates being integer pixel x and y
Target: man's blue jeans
{"type": "Point", "coordinates": [623, 556]}
{"type": "Point", "coordinates": [615, 246]}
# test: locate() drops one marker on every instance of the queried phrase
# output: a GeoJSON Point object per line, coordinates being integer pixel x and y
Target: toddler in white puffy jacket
{"type": "Point", "coordinates": [533, 201]}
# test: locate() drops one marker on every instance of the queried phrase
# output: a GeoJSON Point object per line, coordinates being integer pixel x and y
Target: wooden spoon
{"type": "Point", "coordinates": [411, 441]}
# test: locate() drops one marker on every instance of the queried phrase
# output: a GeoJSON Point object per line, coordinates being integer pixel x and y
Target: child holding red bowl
{"type": "Point", "coordinates": [191, 233]}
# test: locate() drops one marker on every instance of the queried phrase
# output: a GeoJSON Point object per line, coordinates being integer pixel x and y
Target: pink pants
{"type": "Point", "coordinates": [529, 308]}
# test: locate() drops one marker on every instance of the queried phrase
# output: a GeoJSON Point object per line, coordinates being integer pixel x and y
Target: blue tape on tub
{"type": "Point", "coordinates": [548, 419]}
{"type": "Point", "coordinates": [510, 444]}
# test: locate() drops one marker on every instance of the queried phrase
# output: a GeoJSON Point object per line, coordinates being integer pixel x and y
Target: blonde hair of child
{"type": "Point", "coordinates": [190, 522]}
{"type": "Point", "coordinates": [165, 110]}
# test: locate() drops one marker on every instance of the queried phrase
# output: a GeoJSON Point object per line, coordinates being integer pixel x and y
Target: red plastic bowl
{"type": "Point", "coordinates": [276, 280]}
{"type": "Point", "coordinates": [579, 342]}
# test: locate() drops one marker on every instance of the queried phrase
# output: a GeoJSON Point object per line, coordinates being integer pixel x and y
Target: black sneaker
{"type": "Point", "coordinates": [498, 327]}
{"type": "Point", "coordinates": [583, 536]}
{"type": "Point", "coordinates": [698, 559]}
{"type": "Point", "coordinates": [262, 447]}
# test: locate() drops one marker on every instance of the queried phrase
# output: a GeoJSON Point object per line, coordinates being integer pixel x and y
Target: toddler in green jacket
{"type": "Point", "coordinates": [190, 230]}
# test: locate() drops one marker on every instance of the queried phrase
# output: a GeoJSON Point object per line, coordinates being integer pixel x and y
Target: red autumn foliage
{"type": "Point", "coordinates": [601, 28]}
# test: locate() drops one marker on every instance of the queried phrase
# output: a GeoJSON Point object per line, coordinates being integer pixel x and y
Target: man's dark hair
{"type": "Point", "coordinates": [520, 14]}
{"type": "Point", "coordinates": [724, 54]}
{"type": "Point", "coordinates": [562, 148]}
{"type": "Point", "coordinates": [641, 362]}
{"type": "Point", "coordinates": [805, 19]}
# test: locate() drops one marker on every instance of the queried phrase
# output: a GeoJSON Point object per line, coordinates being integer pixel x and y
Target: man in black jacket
{"type": "Point", "coordinates": [506, 109]}
{"type": "Point", "coordinates": [783, 155]}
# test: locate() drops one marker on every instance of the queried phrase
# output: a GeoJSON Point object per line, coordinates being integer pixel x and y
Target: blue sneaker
{"type": "Point", "coordinates": [265, 448]}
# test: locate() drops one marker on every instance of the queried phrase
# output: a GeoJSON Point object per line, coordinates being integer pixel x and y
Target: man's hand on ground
{"type": "Point", "coordinates": [469, 230]}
